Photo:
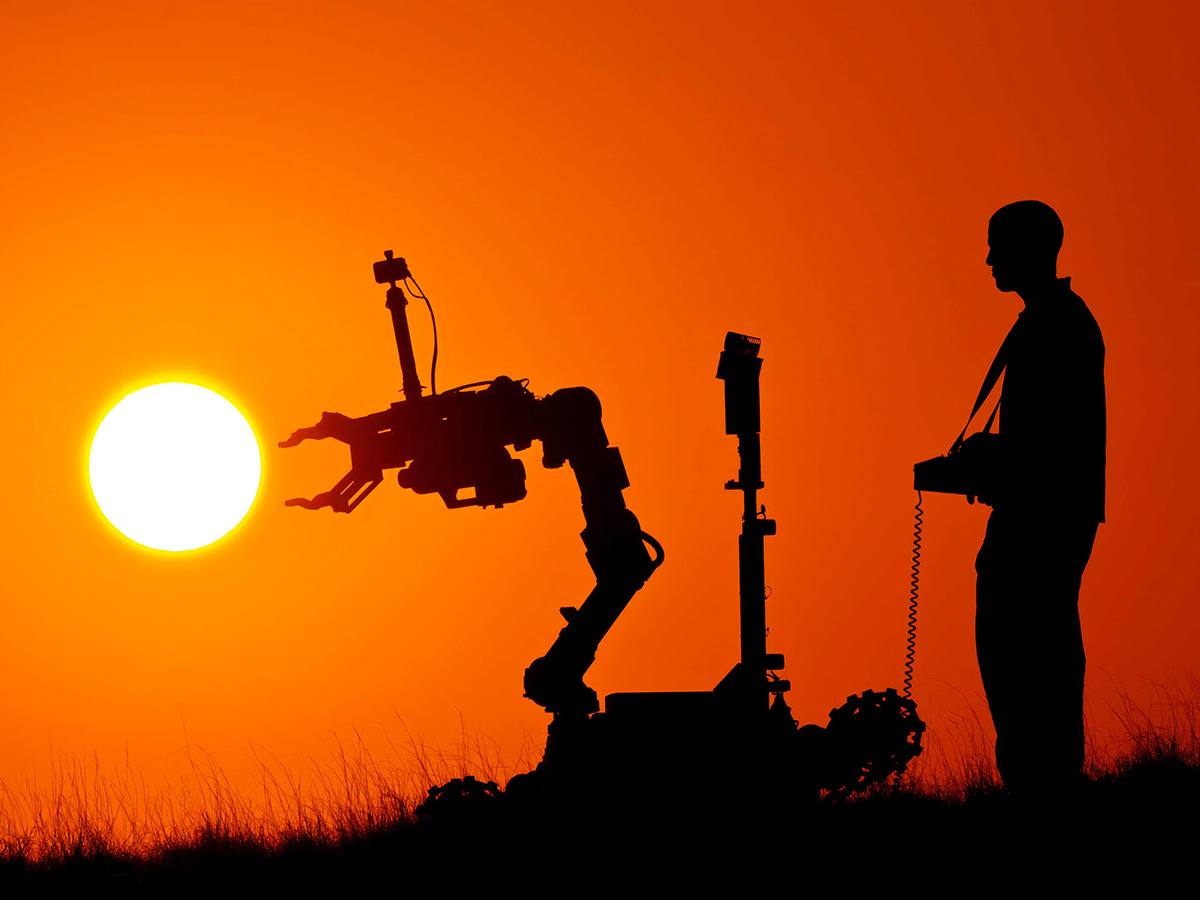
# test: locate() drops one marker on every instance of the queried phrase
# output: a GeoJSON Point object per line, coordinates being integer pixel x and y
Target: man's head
{"type": "Point", "coordinates": [1023, 243]}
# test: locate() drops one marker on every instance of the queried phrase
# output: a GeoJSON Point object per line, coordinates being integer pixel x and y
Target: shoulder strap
{"type": "Point", "coordinates": [989, 382]}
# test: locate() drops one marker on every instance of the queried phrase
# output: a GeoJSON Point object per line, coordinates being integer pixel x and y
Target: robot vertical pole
{"type": "Point", "coordinates": [739, 368]}
{"type": "Point", "coordinates": [751, 559]}
{"type": "Point", "coordinates": [396, 303]}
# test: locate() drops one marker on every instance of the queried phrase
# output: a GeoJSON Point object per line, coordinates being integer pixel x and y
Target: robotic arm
{"type": "Point", "coordinates": [455, 444]}
{"type": "Point", "coordinates": [616, 551]}
{"type": "Point", "coordinates": [443, 444]}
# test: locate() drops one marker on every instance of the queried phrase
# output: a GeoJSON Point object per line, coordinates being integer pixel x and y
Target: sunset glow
{"type": "Point", "coordinates": [591, 195]}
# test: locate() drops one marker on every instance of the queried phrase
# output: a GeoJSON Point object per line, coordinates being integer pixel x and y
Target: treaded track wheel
{"type": "Point", "coordinates": [870, 737]}
{"type": "Point", "coordinates": [457, 797]}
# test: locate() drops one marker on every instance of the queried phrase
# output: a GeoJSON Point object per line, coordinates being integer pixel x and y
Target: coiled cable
{"type": "Point", "coordinates": [911, 651]}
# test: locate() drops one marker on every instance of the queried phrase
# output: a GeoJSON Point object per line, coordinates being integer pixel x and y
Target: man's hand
{"type": "Point", "coordinates": [981, 453]}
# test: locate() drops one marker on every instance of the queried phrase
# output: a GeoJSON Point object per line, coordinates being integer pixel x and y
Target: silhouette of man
{"type": "Point", "coordinates": [1047, 502]}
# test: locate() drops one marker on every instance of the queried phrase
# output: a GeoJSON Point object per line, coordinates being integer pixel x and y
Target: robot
{"type": "Point", "coordinates": [741, 733]}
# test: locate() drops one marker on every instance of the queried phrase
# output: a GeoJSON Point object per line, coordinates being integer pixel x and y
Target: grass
{"type": "Point", "coordinates": [78, 822]}
{"type": "Point", "coordinates": [352, 819]}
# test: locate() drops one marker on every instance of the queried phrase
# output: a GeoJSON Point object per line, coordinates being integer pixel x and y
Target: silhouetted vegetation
{"type": "Point", "coordinates": [948, 823]}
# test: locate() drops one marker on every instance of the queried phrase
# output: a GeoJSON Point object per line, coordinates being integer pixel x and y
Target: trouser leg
{"type": "Point", "coordinates": [1030, 645]}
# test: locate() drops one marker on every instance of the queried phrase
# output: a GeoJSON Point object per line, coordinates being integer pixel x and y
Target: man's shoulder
{"type": "Point", "coordinates": [1081, 316]}
{"type": "Point", "coordinates": [1073, 315]}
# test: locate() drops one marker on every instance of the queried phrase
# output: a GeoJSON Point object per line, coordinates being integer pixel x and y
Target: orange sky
{"type": "Point", "coordinates": [590, 195]}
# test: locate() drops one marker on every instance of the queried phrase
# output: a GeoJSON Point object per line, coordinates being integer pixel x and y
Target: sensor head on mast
{"type": "Point", "coordinates": [389, 271]}
{"type": "Point", "coordinates": [738, 368]}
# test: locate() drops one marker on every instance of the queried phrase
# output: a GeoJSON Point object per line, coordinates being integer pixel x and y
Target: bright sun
{"type": "Point", "coordinates": [174, 466]}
